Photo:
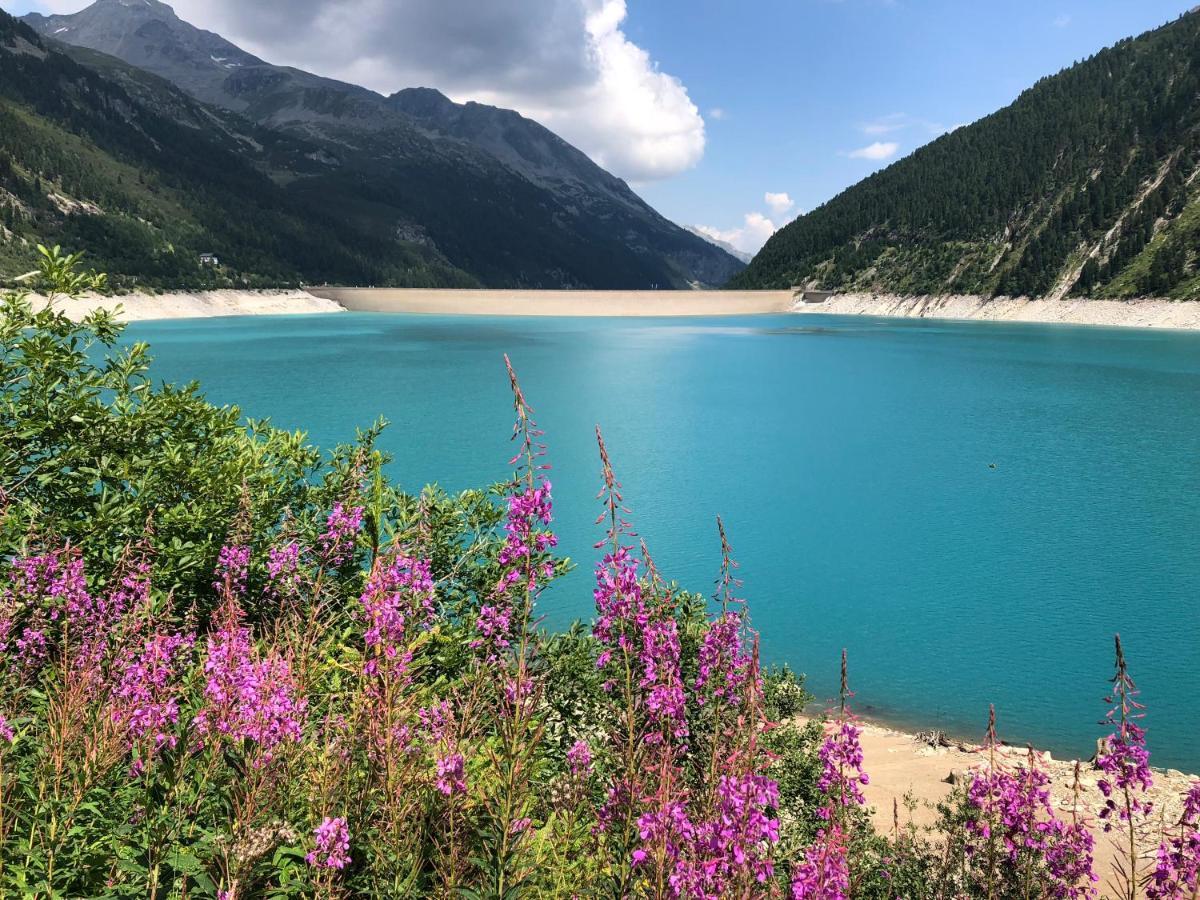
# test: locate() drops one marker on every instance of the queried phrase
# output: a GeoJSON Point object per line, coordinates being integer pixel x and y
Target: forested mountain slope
{"type": "Point", "coordinates": [496, 194]}
{"type": "Point", "coordinates": [147, 180]}
{"type": "Point", "coordinates": [1086, 185]}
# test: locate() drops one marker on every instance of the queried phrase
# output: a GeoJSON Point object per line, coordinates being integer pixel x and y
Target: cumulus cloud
{"type": "Point", "coordinates": [566, 63]}
{"type": "Point", "coordinates": [717, 113]}
{"type": "Point", "coordinates": [877, 151]}
{"type": "Point", "coordinates": [749, 237]}
{"type": "Point", "coordinates": [779, 203]}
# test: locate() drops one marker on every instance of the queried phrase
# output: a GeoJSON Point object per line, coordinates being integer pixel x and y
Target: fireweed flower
{"type": "Point", "coordinates": [148, 691]}
{"type": "Point", "coordinates": [842, 775]}
{"type": "Point", "coordinates": [825, 872]}
{"type": "Point", "coordinates": [1176, 873]}
{"type": "Point", "coordinates": [1125, 762]}
{"type": "Point", "coordinates": [248, 695]}
{"type": "Point", "coordinates": [6, 730]}
{"type": "Point", "coordinates": [526, 566]}
{"type": "Point", "coordinates": [737, 841]}
{"type": "Point", "coordinates": [332, 850]}
{"type": "Point", "coordinates": [46, 594]}
{"type": "Point", "coordinates": [724, 663]}
{"type": "Point", "coordinates": [233, 570]}
{"type": "Point", "coordinates": [662, 682]}
{"type": "Point", "coordinates": [440, 724]}
{"type": "Point", "coordinates": [399, 598]}
{"type": "Point", "coordinates": [621, 613]}
{"type": "Point", "coordinates": [525, 557]}
{"type": "Point", "coordinates": [283, 569]}
{"type": "Point", "coordinates": [1124, 758]}
{"type": "Point", "coordinates": [32, 647]}
{"type": "Point", "coordinates": [1014, 811]}
{"type": "Point", "coordinates": [666, 830]}
{"type": "Point", "coordinates": [579, 759]}
{"type": "Point", "coordinates": [341, 531]}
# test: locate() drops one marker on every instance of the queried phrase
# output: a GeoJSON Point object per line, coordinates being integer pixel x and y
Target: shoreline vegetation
{"type": "Point", "coordinates": [1139, 313]}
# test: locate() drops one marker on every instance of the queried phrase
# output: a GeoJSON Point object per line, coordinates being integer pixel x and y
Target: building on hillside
{"type": "Point", "coordinates": [209, 259]}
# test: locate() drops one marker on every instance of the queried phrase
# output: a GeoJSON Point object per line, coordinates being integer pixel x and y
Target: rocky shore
{"type": "Point", "coordinates": [1140, 313]}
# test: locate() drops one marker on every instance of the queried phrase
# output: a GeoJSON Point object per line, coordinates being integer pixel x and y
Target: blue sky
{"type": "Point", "coordinates": [706, 106]}
{"type": "Point", "coordinates": [801, 82]}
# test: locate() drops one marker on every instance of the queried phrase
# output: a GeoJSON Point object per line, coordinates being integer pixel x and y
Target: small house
{"type": "Point", "coordinates": [209, 259]}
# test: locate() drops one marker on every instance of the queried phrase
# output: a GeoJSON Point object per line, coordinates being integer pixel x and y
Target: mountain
{"type": "Point", "coordinates": [117, 161]}
{"type": "Point", "coordinates": [724, 245]}
{"type": "Point", "coordinates": [494, 194]}
{"type": "Point", "coordinates": [1087, 185]}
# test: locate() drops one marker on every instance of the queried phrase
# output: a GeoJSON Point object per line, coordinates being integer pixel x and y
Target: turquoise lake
{"type": "Point", "coordinates": [852, 460]}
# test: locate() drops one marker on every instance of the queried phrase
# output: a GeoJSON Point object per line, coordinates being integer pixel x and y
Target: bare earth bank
{"type": "Point", "coordinates": [1140, 313]}
{"type": "Point", "coordinates": [200, 304]}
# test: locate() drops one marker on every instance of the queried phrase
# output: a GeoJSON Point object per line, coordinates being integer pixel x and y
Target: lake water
{"type": "Point", "coordinates": [852, 460]}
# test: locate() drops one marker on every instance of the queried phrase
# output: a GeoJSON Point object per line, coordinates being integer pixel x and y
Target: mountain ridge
{"type": "Point", "coordinates": [493, 193]}
{"type": "Point", "coordinates": [147, 179]}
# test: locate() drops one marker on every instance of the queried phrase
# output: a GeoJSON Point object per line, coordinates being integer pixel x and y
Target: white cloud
{"type": "Point", "coordinates": [749, 238]}
{"type": "Point", "coordinates": [894, 122]}
{"type": "Point", "coordinates": [1062, 21]}
{"type": "Point", "coordinates": [779, 203]}
{"type": "Point", "coordinates": [717, 113]}
{"type": "Point", "coordinates": [756, 228]}
{"type": "Point", "coordinates": [566, 63]}
{"type": "Point", "coordinates": [876, 151]}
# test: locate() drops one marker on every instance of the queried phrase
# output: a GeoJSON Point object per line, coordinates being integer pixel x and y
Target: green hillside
{"type": "Point", "coordinates": [1086, 185]}
{"type": "Point", "coordinates": [149, 186]}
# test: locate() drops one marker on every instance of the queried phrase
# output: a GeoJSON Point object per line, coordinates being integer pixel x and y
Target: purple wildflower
{"type": "Point", "coordinates": [842, 775]}
{"type": "Point", "coordinates": [723, 661]}
{"type": "Point", "coordinates": [399, 596]}
{"type": "Point", "coordinates": [248, 696]}
{"type": "Point", "coordinates": [825, 872]}
{"type": "Point", "coordinates": [1176, 875]}
{"type": "Point", "coordinates": [451, 774]}
{"type": "Point", "coordinates": [579, 759]}
{"type": "Point", "coordinates": [735, 844]}
{"type": "Point", "coordinates": [341, 531]}
{"type": "Point", "coordinates": [441, 725]}
{"type": "Point", "coordinates": [283, 568]}
{"type": "Point", "coordinates": [233, 570]}
{"type": "Point", "coordinates": [148, 692]}
{"type": "Point", "coordinates": [332, 850]}
{"type": "Point", "coordinates": [1124, 759]}
{"type": "Point", "coordinates": [661, 680]}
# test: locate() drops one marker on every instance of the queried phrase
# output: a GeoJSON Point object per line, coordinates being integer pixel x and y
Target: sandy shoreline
{"type": "Point", "coordinates": [1141, 313]}
{"type": "Point", "coordinates": [900, 764]}
{"type": "Point", "coordinates": [199, 304]}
